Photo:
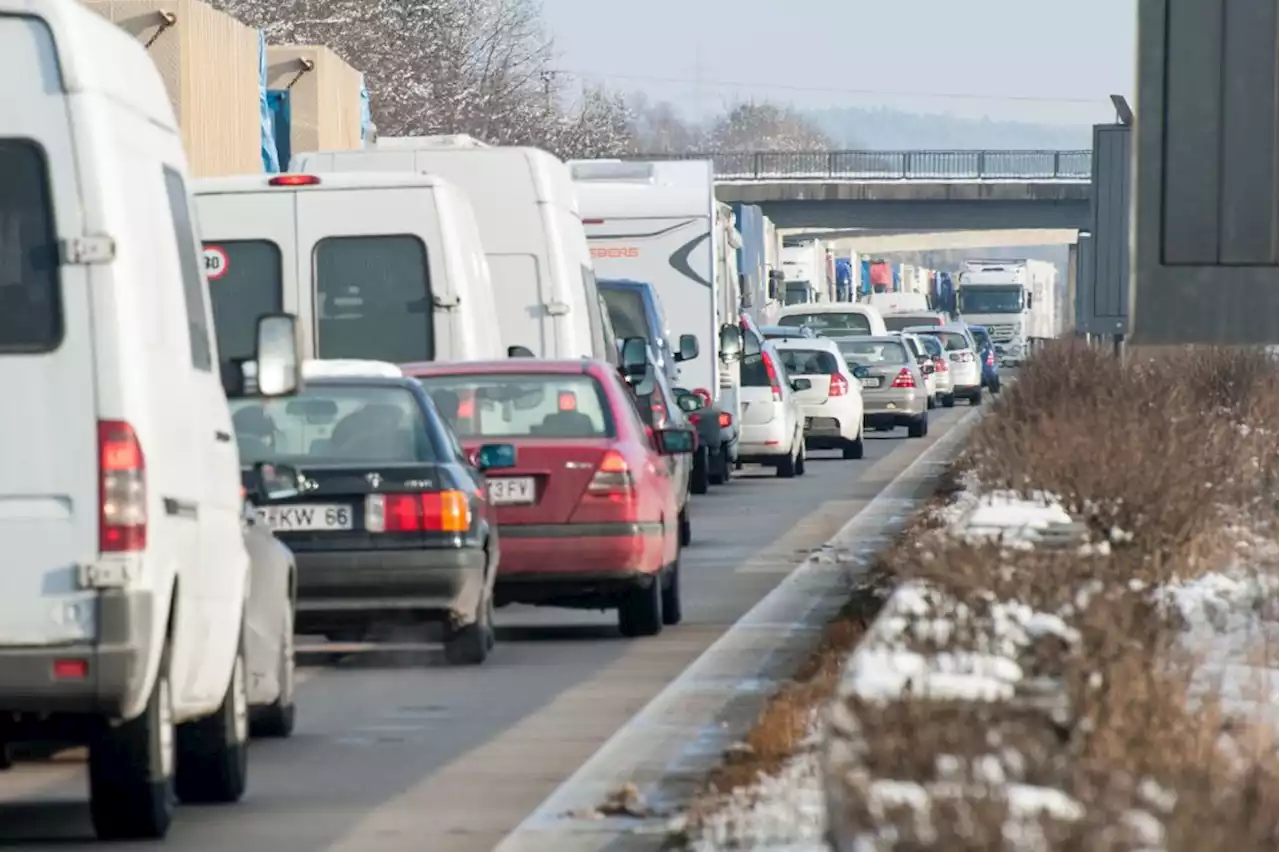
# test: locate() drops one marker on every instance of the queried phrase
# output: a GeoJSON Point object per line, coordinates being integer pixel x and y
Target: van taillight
{"type": "Point", "coordinates": [613, 478]}
{"type": "Point", "coordinates": [293, 180]}
{"type": "Point", "coordinates": [122, 489]}
{"type": "Point", "coordinates": [434, 511]}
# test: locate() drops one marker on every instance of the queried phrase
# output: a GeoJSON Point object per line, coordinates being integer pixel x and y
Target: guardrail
{"type": "Point", "coordinates": [1074, 166]}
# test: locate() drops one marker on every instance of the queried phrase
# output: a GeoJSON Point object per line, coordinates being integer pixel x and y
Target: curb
{"type": "Point", "coordinates": [678, 733]}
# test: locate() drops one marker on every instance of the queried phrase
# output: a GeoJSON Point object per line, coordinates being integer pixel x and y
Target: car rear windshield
{"type": "Point", "coordinates": [522, 405]}
{"type": "Point", "coordinates": [874, 353]}
{"type": "Point", "coordinates": [900, 322]}
{"type": "Point", "coordinates": [373, 298]}
{"type": "Point", "coordinates": [334, 424]}
{"type": "Point", "coordinates": [931, 344]}
{"type": "Point", "coordinates": [30, 300]}
{"type": "Point", "coordinates": [245, 282]}
{"type": "Point", "coordinates": [848, 323]}
{"type": "Point", "coordinates": [626, 310]}
{"type": "Point", "coordinates": [808, 362]}
{"type": "Point", "coordinates": [952, 341]}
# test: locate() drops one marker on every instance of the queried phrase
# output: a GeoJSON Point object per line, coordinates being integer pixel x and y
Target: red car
{"type": "Point", "coordinates": [588, 517]}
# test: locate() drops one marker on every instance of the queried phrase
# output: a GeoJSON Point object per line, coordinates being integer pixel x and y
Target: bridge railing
{"type": "Point", "coordinates": [893, 165]}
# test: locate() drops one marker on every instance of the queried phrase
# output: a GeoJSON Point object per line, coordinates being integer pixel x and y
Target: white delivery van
{"type": "Point", "coordinates": [835, 319]}
{"type": "Point", "coordinates": [125, 571]}
{"type": "Point", "coordinates": [387, 267]}
{"type": "Point", "coordinates": [533, 236]}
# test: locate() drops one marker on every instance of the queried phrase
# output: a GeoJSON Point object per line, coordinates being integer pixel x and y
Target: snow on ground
{"type": "Point", "coordinates": [1224, 614]}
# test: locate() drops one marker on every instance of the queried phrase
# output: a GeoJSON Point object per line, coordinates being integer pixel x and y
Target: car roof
{"type": "Point", "coordinates": [876, 338]}
{"type": "Point", "coordinates": [822, 343]}
{"type": "Point", "coordinates": [324, 368]}
{"type": "Point", "coordinates": [562, 366]}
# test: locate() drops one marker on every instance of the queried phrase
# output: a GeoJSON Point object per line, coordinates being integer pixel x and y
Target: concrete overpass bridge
{"type": "Point", "coordinates": [910, 190]}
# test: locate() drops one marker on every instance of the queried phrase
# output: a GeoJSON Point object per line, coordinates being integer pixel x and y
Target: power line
{"type": "Point", "coordinates": [900, 93]}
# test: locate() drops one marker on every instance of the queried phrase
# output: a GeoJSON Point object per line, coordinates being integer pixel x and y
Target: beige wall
{"type": "Point", "coordinates": [209, 62]}
{"type": "Point", "coordinates": [324, 99]}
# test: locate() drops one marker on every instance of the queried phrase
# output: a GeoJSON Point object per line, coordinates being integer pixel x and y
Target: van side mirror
{"type": "Point", "coordinates": [520, 352]}
{"type": "Point", "coordinates": [635, 356]}
{"type": "Point", "coordinates": [676, 441]}
{"type": "Point", "coordinates": [688, 348]}
{"type": "Point", "coordinates": [730, 342]}
{"type": "Point", "coordinates": [276, 369]}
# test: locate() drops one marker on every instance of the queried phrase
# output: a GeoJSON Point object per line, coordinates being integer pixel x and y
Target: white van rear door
{"type": "Point", "coordinates": [49, 434]}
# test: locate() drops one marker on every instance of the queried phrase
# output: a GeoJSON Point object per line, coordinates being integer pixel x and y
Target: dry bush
{"type": "Point", "coordinates": [1163, 449]}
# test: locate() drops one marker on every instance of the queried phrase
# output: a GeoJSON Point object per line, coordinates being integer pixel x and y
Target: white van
{"type": "Point", "coordinates": [835, 319]}
{"type": "Point", "coordinates": [532, 234]}
{"type": "Point", "coordinates": [387, 267]}
{"type": "Point", "coordinates": [125, 571]}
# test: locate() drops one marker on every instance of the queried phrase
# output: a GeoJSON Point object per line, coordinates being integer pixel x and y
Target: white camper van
{"type": "Point", "coordinates": [386, 267]}
{"type": "Point", "coordinates": [125, 571]}
{"type": "Point", "coordinates": [659, 222]}
{"type": "Point", "coordinates": [529, 224]}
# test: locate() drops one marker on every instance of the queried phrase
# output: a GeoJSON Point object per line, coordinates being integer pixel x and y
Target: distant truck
{"type": "Point", "coordinates": [804, 268]}
{"type": "Point", "coordinates": [1015, 299]}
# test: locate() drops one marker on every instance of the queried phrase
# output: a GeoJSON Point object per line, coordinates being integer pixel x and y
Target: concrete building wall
{"type": "Point", "coordinates": [209, 63]}
{"type": "Point", "coordinates": [324, 96]}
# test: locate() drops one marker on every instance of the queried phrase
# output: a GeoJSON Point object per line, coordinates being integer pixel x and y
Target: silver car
{"type": "Point", "coordinates": [941, 372]}
{"type": "Point", "coordinates": [962, 359]}
{"type": "Point", "coordinates": [894, 391]}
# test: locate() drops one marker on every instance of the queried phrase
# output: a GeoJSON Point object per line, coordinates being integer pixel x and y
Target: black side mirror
{"type": "Point", "coordinates": [635, 356]}
{"type": "Point", "coordinates": [680, 440]}
{"type": "Point", "coordinates": [520, 352]}
{"type": "Point", "coordinates": [730, 342]}
{"type": "Point", "coordinates": [688, 348]}
{"type": "Point", "coordinates": [689, 403]}
{"type": "Point", "coordinates": [276, 481]}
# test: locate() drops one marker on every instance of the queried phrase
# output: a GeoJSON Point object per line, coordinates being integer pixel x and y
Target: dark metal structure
{"type": "Point", "coordinates": [1073, 166]}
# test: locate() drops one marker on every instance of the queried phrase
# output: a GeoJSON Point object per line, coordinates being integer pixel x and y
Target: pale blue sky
{"type": "Point", "coordinates": [859, 53]}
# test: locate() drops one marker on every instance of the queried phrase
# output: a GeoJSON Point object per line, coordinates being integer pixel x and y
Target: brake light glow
{"type": "Point", "coordinates": [434, 511]}
{"type": "Point", "coordinates": [940, 365]}
{"type": "Point", "coordinates": [293, 180]}
{"type": "Point", "coordinates": [613, 478]}
{"type": "Point", "coordinates": [839, 385]}
{"type": "Point", "coordinates": [991, 359]}
{"type": "Point", "coordinates": [726, 420]}
{"type": "Point", "coordinates": [704, 395]}
{"type": "Point", "coordinates": [567, 401]}
{"type": "Point", "coordinates": [904, 379]}
{"type": "Point", "coordinates": [71, 668]}
{"type": "Point", "coordinates": [695, 419]}
{"type": "Point", "coordinates": [122, 489]}
{"type": "Point", "coordinates": [772, 372]}
{"type": "Point", "coordinates": [466, 408]}
{"type": "Point", "coordinates": [593, 221]}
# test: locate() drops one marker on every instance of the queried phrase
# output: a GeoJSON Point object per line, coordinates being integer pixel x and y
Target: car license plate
{"type": "Point", "coordinates": [515, 491]}
{"type": "Point", "coordinates": [309, 517]}
{"type": "Point", "coordinates": [871, 383]}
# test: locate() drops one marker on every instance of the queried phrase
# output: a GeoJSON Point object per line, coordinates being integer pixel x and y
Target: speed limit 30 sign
{"type": "Point", "coordinates": [215, 262]}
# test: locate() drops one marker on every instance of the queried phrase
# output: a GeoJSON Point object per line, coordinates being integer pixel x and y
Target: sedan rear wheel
{"type": "Point", "coordinates": [672, 608]}
{"type": "Point", "coordinates": [640, 612]}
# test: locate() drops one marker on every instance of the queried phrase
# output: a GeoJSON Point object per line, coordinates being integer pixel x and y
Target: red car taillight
{"type": "Point", "coordinates": [839, 385]}
{"type": "Point", "coordinates": [613, 479]}
{"type": "Point", "coordinates": [991, 359]}
{"type": "Point", "coordinates": [940, 365]}
{"type": "Point", "coordinates": [772, 372]}
{"type": "Point", "coordinates": [122, 489]}
{"type": "Point", "coordinates": [726, 420]}
{"type": "Point", "coordinates": [904, 379]}
{"type": "Point", "coordinates": [434, 511]}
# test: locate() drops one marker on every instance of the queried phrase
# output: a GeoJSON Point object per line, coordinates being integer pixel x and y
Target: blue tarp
{"type": "Point", "coordinates": [366, 113]}
{"type": "Point", "coordinates": [844, 279]}
{"type": "Point", "coordinates": [278, 103]}
{"type": "Point", "coordinates": [864, 281]}
{"type": "Point", "coordinates": [270, 155]}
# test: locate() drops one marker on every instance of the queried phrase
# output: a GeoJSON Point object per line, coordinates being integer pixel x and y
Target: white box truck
{"type": "Point", "coordinates": [1016, 300]}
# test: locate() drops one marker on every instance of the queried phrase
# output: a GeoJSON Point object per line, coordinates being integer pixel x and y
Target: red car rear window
{"type": "Point", "coordinates": [522, 405]}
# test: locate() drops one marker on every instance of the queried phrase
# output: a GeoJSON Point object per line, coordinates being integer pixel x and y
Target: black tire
{"type": "Point", "coordinates": [131, 770]}
{"type": "Point", "coordinates": [640, 611]}
{"type": "Point", "coordinates": [976, 398]}
{"type": "Point", "coordinates": [672, 606]}
{"type": "Point", "coordinates": [802, 459]}
{"type": "Point", "coordinates": [854, 449]}
{"type": "Point", "coordinates": [686, 528]}
{"type": "Point", "coordinates": [949, 400]}
{"type": "Point", "coordinates": [919, 427]}
{"type": "Point", "coordinates": [213, 752]}
{"type": "Point", "coordinates": [700, 476]}
{"type": "Point", "coordinates": [787, 466]}
{"type": "Point", "coordinates": [932, 402]}
{"type": "Point", "coordinates": [718, 467]}
{"type": "Point", "coordinates": [277, 719]}
{"type": "Point", "coordinates": [470, 645]}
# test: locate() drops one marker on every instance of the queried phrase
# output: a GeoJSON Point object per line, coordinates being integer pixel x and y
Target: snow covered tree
{"type": "Point", "coordinates": [766, 127]}
{"type": "Point", "coordinates": [659, 128]}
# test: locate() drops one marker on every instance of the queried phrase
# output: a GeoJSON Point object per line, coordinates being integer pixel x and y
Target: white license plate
{"type": "Point", "coordinates": [514, 491]}
{"type": "Point", "coordinates": [308, 517]}
{"type": "Point", "coordinates": [871, 383]}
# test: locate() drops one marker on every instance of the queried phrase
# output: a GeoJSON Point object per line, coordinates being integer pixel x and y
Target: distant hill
{"type": "Point", "coordinates": [890, 130]}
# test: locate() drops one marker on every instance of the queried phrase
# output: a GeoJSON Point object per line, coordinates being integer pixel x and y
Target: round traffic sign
{"type": "Point", "coordinates": [215, 262]}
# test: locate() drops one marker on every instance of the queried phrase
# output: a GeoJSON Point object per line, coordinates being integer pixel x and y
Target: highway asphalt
{"type": "Point", "coordinates": [398, 753]}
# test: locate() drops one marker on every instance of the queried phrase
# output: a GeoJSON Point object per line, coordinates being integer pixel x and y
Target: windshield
{"type": "Point", "coordinates": [245, 282]}
{"type": "Point", "coordinates": [333, 424]}
{"type": "Point", "coordinates": [829, 321]}
{"type": "Point", "coordinates": [952, 341]}
{"type": "Point", "coordinates": [626, 310]}
{"type": "Point", "coordinates": [990, 300]}
{"type": "Point", "coordinates": [873, 353]}
{"type": "Point", "coordinates": [522, 405]}
{"type": "Point", "coordinates": [796, 293]}
{"type": "Point", "coordinates": [373, 299]}
{"type": "Point", "coordinates": [898, 322]}
{"type": "Point", "coordinates": [808, 362]}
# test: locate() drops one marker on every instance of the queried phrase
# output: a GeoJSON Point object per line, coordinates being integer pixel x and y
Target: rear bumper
{"type": "Point", "coordinates": [830, 432]}
{"type": "Point", "coordinates": [336, 588]}
{"type": "Point", "coordinates": [967, 390]}
{"type": "Point", "coordinates": [543, 563]}
{"type": "Point", "coordinates": [117, 664]}
{"type": "Point", "coordinates": [768, 441]}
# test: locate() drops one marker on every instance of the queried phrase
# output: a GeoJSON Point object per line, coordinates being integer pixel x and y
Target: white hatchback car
{"type": "Point", "coordinates": [915, 344]}
{"type": "Point", "coordinates": [772, 422]}
{"type": "Point", "coordinates": [832, 405]}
